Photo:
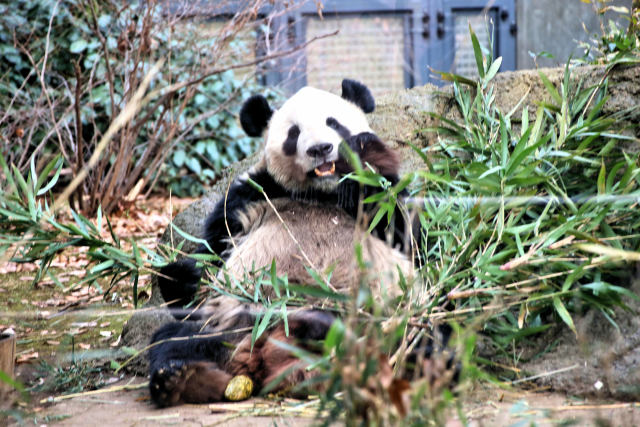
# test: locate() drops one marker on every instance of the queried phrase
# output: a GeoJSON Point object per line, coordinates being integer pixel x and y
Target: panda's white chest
{"type": "Point", "coordinates": [303, 234]}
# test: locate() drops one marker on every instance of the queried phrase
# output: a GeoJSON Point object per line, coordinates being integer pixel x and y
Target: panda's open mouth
{"type": "Point", "coordinates": [326, 169]}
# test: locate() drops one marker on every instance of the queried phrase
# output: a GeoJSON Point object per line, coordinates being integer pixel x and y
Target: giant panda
{"type": "Point", "coordinates": [302, 173]}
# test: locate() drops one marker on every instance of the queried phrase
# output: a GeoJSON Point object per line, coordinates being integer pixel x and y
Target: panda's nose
{"type": "Point", "coordinates": [320, 150]}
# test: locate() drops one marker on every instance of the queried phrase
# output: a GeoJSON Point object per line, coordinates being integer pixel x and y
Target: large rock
{"type": "Point", "coordinates": [601, 360]}
{"type": "Point", "coordinates": [137, 332]}
{"type": "Point", "coordinates": [401, 117]}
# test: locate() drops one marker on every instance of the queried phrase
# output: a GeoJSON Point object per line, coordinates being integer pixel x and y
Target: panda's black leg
{"type": "Point", "coordinates": [269, 364]}
{"type": "Point", "coordinates": [186, 365]}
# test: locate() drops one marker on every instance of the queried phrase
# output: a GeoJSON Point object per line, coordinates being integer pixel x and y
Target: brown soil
{"type": "Point", "coordinates": [51, 323]}
{"type": "Point", "coordinates": [482, 407]}
{"type": "Point", "coordinates": [133, 408]}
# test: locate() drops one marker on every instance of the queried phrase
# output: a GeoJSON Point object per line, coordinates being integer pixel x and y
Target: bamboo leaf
{"type": "Point", "coordinates": [601, 179]}
{"type": "Point", "coordinates": [274, 278]}
{"type": "Point", "coordinates": [257, 332]}
{"type": "Point", "coordinates": [11, 187]}
{"type": "Point", "coordinates": [551, 89]}
{"type": "Point", "coordinates": [493, 70]}
{"type": "Point", "coordinates": [564, 314]}
{"type": "Point", "coordinates": [477, 52]}
{"type": "Point", "coordinates": [316, 292]}
{"type": "Point", "coordinates": [191, 238]}
{"type": "Point", "coordinates": [334, 336]}
{"type": "Point", "coordinates": [376, 219]}
{"type": "Point", "coordinates": [317, 278]}
{"type": "Point", "coordinates": [26, 191]}
{"type": "Point", "coordinates": [102, 266]}
{"type": "Point", "coordinates": [450, 77]}
{"type": "Point", "coordinates": [56, 163]}
{"type": "Point", "coordinates": [285, 319]}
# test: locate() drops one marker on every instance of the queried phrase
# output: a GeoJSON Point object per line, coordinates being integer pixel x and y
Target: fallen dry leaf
{"type": "Point", "coordinates": [27, 357]}
{"type": "Point", "coordinates": [84, 324]}
{"type": "Point", "coordinates": [398, 394]}
{"type": "Point", "coordinates": [396, 387]}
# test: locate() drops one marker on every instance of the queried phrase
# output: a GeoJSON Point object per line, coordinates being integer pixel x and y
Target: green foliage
{"type": "Point", "coordinates": [509, 202]}
{"type": "Point", "coordinates": [31, 232]}
{"type": "Point", "coordinates": [613, 45]}
{"type": "Point", "coordinates": [77, 377]}
{"type": "Point", "coordinates": [96, 54]}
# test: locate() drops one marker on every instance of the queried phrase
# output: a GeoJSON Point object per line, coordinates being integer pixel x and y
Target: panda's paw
{"type": "Point", "coordinates": [168, 382]}
{"type": "Point", "coordinates": [194, 382]}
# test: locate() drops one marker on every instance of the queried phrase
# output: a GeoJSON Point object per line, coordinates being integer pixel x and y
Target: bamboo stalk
{"type": "Point", "coordinates": [126, 387]}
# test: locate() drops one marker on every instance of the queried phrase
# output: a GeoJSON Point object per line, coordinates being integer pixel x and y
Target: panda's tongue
{"type": "Point", "coordinates": [326, 169]}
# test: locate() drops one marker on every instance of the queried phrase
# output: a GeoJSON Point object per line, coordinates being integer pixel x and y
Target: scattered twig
{"type": "Point", "coordinates": [546, 374]}
{"type": "Point", "coordinates": [126, 387]}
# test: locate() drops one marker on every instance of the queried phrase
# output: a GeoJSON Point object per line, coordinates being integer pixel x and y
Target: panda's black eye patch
{"type": "Point", "coordinates": [338, 127]}
{"type": "Point", "coordinates": [290, 145]}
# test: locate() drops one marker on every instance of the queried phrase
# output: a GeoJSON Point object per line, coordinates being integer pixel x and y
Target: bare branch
{"type": "Point", "coordinates": [175, 87]}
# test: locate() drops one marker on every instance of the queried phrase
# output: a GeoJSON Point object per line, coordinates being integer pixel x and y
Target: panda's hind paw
{"type": "Point", "coordinates": [194, 382]}
{"type": "Point", "coordinates": [167, 383]}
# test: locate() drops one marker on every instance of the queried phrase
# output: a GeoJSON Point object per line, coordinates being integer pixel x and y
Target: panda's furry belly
{"type": "Point", "coordinates": [324, 237]}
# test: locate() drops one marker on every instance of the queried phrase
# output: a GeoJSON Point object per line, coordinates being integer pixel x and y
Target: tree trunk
{"type": "Point", "coordinates": [7, 359]}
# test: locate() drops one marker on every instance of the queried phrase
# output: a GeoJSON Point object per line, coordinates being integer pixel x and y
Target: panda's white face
{"type": "Point", "coordinates": [303, 137]}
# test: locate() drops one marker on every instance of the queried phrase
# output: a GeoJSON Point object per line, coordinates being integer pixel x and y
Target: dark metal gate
{"type": "Point", "coordinates": [388, 44]}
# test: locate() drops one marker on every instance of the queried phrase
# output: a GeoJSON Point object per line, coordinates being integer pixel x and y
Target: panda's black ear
{"type": "Point", "coordinates": [255, 115]}
{"type": "Point", "coordinates": [359, 94]}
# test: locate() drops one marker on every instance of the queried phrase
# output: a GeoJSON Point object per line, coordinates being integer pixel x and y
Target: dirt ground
{"type": "Point", "coordinates": [483, 407]}
{"type": "Point", "coordinates": [53, 324]}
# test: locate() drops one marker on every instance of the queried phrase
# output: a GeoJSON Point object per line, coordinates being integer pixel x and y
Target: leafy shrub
{"type": "Point", "coordinates": [529, 218]}
{"type": "Point", "coordinates": [72, 66]}
{"type": "Point", "coordinates": [614, 45]}
{"type": "Point", "coordinates": [30, 231]}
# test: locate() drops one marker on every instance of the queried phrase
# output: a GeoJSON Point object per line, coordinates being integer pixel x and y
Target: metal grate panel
{"type": "Point", "coordinates": [464, 63]}
{"type": "Point", "coordinates": [367, 48]}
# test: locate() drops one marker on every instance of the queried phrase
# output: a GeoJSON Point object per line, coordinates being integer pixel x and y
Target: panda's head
{"type": "Point", "coordinates": [304, 135]}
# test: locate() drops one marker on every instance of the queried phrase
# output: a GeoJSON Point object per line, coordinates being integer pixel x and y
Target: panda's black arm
{"type": "Point", "coordinates": [398, 226]}
{"type": "Point", "coordinates": [373, 151]}
{"type": "Point", "coordinates": [179, 281]}
{"type": "Point", "coordinates": [241, 194]}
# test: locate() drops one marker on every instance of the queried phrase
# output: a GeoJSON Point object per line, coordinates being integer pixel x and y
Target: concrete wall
{"type": "Point", "coordinates": [555, 26]}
